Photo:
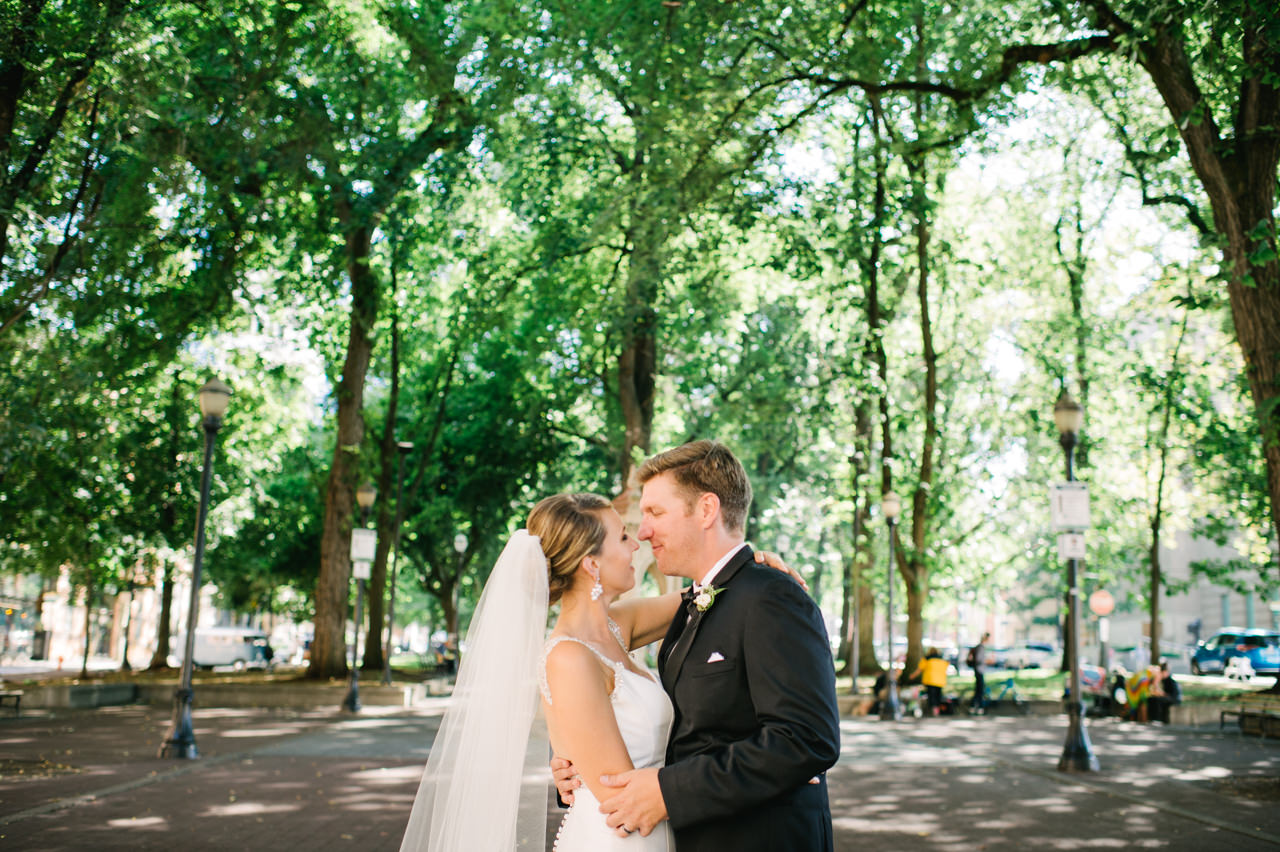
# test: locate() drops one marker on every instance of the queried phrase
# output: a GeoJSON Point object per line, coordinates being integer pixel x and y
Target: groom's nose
{"type": "Point", "coordinates": [645, 532]}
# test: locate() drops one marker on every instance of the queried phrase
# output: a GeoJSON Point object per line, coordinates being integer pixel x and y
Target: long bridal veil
{"type": "Point", "coordinates": [486, 781]}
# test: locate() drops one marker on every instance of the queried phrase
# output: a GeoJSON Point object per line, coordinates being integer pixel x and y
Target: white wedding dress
{"type": "Point", "coordinates": [644, 715]}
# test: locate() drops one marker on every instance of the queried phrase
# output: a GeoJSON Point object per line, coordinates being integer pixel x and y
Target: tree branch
{"type": "Point", "coordinates": [1135, 158]}
{"type": "Point", "coordinates": [69, 239]}
{"type": "Point", "coordinates": [1010, 61]}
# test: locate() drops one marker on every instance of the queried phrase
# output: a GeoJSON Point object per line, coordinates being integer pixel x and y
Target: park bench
{"type": "Point", "coordinates": [12, 695]}
{"type": "Point", "coordinates": [1257, 714]}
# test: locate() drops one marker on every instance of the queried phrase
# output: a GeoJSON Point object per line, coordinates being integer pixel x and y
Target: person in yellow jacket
{"type": "Point", "coordinates": [932, 672]}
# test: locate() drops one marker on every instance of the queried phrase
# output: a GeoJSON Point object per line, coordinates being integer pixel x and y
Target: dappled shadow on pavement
{"type": "Point", "coordinates": [265, 780]}
{"type": "Point", "coordinates": [280, 780]}
{"type": "Point", "coordinates": [290, 803]}
{"type": "Point", "coordinates": [985, 783]}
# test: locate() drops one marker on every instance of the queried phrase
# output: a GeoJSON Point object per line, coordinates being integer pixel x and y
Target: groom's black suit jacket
{"type": "Point", "coordinates": [750, 729]}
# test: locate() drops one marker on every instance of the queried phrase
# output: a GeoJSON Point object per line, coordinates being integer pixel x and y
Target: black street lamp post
{"type": "Point", "coordinates": [404, 447]}
{"type": "Point", "coordinates": [891, 707]}
{"type": "Point", "coordinates": [1077, 754]}
{"type": "Point", "coordinates": [365, 495]}
{"type": "Point", "coordinates": [181, 739]}
{"type": "Point", "coordinates": [454, 647]}
{"type": "Point", "coordinates": [1103, 630]}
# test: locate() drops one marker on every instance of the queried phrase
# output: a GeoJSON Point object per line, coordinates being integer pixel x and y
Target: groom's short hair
{"type": "Point", "coordinates": [699, 467]}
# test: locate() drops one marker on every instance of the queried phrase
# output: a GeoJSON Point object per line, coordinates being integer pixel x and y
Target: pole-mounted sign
{"type": "Point", "coordinates": [364, 544]}
{"type": "Point", "coordinates": [1069, 506]}
{"type": "Point", "coordinates": [1071, 545]}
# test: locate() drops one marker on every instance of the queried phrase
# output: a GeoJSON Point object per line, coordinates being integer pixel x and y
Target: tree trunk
{"type": "Point", "coordinates": [39, 607]}
{"type": "Point", "coordinates": [125, 666]}
{"type": "Point", "coordinates": [815, 588]}
{"type": "Point", "coordinates": [912, 564]}
{"type": "Point", "coordinates": [859, 560]}
{"type": "Point", "coordinates": [1239, 179]}
{"type": "Point", "coordinates": [328, 649]}
{"type": "Point", "coordinates": [1238, 175]}
{"type": "Point", "coordinates": [638, 358]}
{"type": "Point", "coordinates": [876, 355]}
{"type": "Point", "coordinates": [875, 316]}
{"type": "Point", "coordinates": [638, 369]}
{"type": "Point", "coordinates": [1155, 596]}
{"type": "Point", "coordinates": [1256, 312]}
{"type": "Point", "coordinates": [385, 518]}
{"type": "Point", "coordinates": [867, 662]}
{"type": "Point", "coordinates": [916, 597]}
{"type": "Point", "coordinates": [160, 659]}
{"type": "Point", "coordinates": [88, 628]}
{"type": "Point", "coordinates": [1171, 384]}
{"type": "Point", "coordinates": [848, 624]}
{"type": "Point", "coordinates": [448, 604]}
{"type": "Point", "coordinates": [168, 528]}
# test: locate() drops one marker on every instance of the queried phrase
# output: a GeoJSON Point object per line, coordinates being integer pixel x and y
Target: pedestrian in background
{"type": "Point", "coordinates": [932, 672]}
{"type": "Point", "coordinates": [1165, 692]}
{"type": "Point", "coordinates": [976, 661]}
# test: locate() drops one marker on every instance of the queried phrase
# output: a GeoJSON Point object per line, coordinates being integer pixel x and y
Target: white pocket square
{"type": "Point", "coordinates": [716, 657]}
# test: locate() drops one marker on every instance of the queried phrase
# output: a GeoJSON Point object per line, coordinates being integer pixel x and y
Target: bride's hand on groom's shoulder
{"type": "Point", "coordinates": [566, 778]}
{"type": "Point", "coordinates": [773, 560]}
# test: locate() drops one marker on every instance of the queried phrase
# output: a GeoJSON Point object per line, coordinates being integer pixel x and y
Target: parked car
{"type": "Point", "coordinates": [1032, 655]}
{"type": "Point", "coordinates": [899, 650]}
{"type": "Point", "coordinates": [1260, 647]}
{"type": "Point", "coordinates": [951, 654]}
{"type": "Point", "coordinates": [996, 658]}
{"type": "Point", "coordinates": [238, 647]}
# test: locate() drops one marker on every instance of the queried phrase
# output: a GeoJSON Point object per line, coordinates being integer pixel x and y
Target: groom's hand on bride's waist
{"type": "Point", "coordinates": [638, 804]}
{"type": "Point", "coordinates": [566, 778]}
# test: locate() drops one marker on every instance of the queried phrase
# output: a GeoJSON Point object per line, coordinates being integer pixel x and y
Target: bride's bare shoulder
{"type": "Point", "coordinates": [571, 667]}
{"type": "Point", "coordinates": [568, 656]}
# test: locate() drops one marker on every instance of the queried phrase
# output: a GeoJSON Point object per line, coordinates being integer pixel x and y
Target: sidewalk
{"type": "Point", "coordinates": [313, 780]}
{"type": "Point", "coordinates": [23, 669]}
{"type": "Point", "coordinates": [992, 783]}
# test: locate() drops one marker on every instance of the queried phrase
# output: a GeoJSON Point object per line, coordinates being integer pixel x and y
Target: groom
{"type": "Point", "coordinates": [749, 672]}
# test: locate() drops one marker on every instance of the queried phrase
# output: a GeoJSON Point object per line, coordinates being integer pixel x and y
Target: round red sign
{"type": "Point", "coordinates": [1101, 602]}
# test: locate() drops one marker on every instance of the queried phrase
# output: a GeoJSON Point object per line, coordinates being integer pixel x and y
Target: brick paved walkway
{"type": "Point", "coordinates": [282, 780]}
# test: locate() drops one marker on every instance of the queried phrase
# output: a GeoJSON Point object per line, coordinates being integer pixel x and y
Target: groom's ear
{"type": "Point", "coordinates": [708, 510]}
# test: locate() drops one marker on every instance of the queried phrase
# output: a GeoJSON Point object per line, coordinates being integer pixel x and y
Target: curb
{"type": "Point", "coordinates": [87, 696]}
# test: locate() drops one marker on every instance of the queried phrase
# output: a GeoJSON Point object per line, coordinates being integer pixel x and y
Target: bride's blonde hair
{"type": "Point", "coordinates": [570, 527]}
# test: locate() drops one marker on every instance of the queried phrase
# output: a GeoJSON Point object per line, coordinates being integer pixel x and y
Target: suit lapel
{"type": "Point", "coordinates": [680, 650]}
{"type": "Point", "coordinates": [672, 637]}
{"type": "Point", "coordinates": [680, 639]}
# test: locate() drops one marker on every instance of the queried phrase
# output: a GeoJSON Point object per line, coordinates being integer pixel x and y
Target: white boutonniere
{"type": "Point", "coordinates": [705, 598]}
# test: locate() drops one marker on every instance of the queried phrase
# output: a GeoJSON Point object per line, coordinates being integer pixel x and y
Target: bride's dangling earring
{"type": "Point", "coordinates": [596, 590]}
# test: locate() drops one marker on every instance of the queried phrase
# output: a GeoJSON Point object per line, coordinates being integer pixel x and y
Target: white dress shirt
{"type": "Point", "coordinates": [715, 569]}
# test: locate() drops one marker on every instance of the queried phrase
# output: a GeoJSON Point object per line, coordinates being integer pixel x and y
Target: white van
{"type": "Point", "coordinates": [238, 647]}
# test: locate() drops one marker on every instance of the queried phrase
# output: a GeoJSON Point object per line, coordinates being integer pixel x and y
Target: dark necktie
{"type": "Point", "coordinates": [689, 606]}
{"type": "Point", "coordinates": [692, 609]}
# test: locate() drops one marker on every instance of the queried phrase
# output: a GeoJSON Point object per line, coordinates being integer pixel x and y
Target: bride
{"type": "Point", "coordinates": [485, 784]}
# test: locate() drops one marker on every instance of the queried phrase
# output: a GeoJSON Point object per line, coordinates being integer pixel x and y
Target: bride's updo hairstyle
{"type": "Point", "coordinates": [570, 527]}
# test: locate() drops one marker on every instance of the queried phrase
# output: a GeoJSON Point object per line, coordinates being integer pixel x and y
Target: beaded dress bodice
{"type": "Point", "coordinates": [644, 715]}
